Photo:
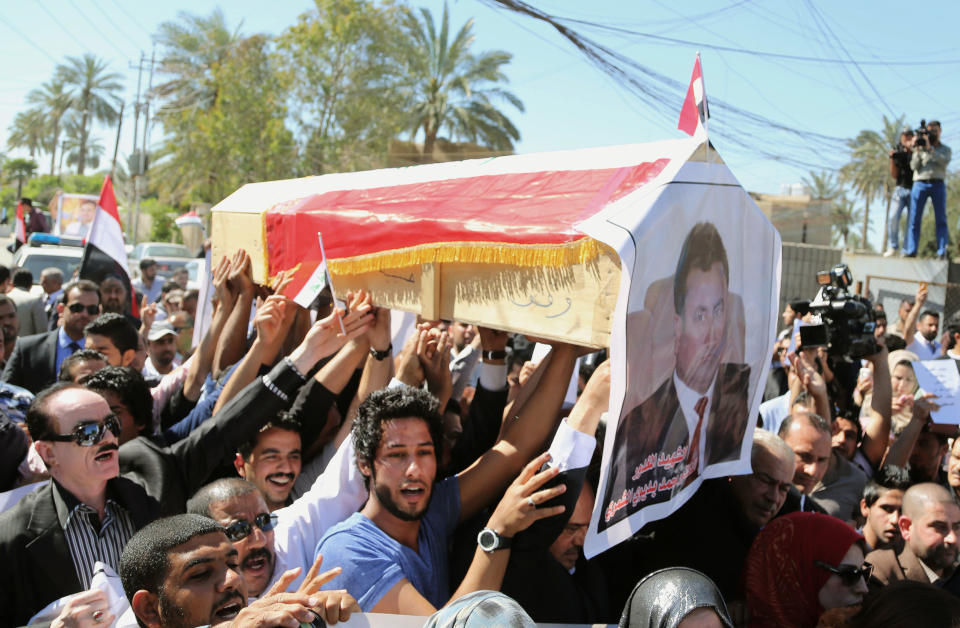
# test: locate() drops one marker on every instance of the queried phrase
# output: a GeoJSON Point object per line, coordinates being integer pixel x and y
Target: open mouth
{"type": "Point", "coordinates": [105, 455]}
{"type": "Point", "coordinates": [280, 480]}
{"type": "Point", "coordinates": [413, 492]}
{"type": "Point", "coordinates": [256, 563]}
{"type": "Point", "coordinates": [229, 610]}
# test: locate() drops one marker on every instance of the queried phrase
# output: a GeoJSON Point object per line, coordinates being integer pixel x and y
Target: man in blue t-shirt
{"type": "Point", "coordinates": [394, 551]}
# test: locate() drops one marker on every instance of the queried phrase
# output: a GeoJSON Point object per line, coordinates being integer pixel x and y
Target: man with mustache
{"type": "Point", "coordinates": [182, 571]}
{"type": "Point", "coordinates": [271, 460]}
{"type": "Point", "coordinates": [86, 513]}
{"type": "Point", "coordinates": [698, 415]}
{"type": "Point", "coordinates": [929, 524]}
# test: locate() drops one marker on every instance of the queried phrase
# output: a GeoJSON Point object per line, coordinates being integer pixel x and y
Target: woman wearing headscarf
{"type": "Point", "coordinates": [674, 598]}
{"type": "Point", "coordinates": [800, 566]}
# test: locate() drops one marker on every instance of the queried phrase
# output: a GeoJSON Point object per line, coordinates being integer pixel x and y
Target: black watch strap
{"type": "Point", "coordinates": [382, 355]}
{"type": "Point", "coordinates": [495, 355]}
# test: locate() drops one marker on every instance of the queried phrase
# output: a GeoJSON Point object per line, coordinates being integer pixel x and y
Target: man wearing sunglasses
{"type": "Point", "coordinates": [50, 540]}
{"type": "Point", "coordinates": [36, 359]}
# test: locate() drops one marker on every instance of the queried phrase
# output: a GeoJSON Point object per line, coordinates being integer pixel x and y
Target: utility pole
{"type": "Point", "coordinates": [143, 146]}
{"type": "Point", "coordinates": [116, 144]}
{"type": "Point", "coordinates": [132, 226]}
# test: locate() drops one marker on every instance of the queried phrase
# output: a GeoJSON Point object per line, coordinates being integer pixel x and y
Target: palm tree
{"type": "Point", "coordinates": [843, 215]}
{"type": "Point", "coordinates": [451, 88]}
{"type": "Point", "coordinates": [28, 131]}
{"type": "Point", "coordinates": [75, 149]}
{"type": "Point", "coordinates": [868, 171]}
{"type": "Point", "coordinates": [19, 169]}
{"type": "Point", "coordinates": [193, 47]}
{"type": "Point", "coordinates": [94, 94]}
{"type": "Point", "coordinates": [824, 189]}
{"type": "Point", "coordinates": [54, 101]}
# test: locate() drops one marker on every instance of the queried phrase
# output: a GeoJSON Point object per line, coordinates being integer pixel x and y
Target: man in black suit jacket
{"type": "Point", "coordinates": [160, 476]}
{"type": "Point", "coordinates": [36, 359]}
{"type": "Point", "coordinates": [698, 415]}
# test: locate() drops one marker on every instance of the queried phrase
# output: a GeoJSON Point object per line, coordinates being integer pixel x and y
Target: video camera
{"type": "Point", "coordinates": [842, 322]}
{"type": "Point", "coordinates": [922, 135]}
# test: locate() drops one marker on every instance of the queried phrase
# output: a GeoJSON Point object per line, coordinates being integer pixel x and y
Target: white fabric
{"type": "Point", "coordinates": [570, 448]}
{"type": "Point", "coordinates": [107, 580]}
{"type": "Point", "coordinates": [688, 399]}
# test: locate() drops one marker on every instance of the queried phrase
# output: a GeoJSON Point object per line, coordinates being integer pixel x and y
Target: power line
{"type": "Point", "coordinates": [131, 18]}
{"type": "Point", "coordinates": [33, 44]}
{"type": "Point", "coordinates": [53, 17]}
{"type": "Point", "coordinates": [110, 19]}
{"type": "Point", "coordinates": [98, 29]}
{"type": "Point", "coordinates": [748, 51]}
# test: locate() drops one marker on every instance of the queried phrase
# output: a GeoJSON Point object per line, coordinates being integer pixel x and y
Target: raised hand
{"type": "Point", "coordinates": [519, 507]}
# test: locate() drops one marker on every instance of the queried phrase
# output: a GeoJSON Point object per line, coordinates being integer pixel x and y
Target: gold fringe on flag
{"type": "Point", "coordinates": [547, 255]}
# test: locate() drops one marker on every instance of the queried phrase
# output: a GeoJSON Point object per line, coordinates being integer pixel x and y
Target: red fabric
{"type": "Point", "coordinates": [782, 583]}
{"type": "Point", "coordinates": [523, 208]}
{"type": "Point", "coordinates": [108, 203]}
{"type": "Point", "coordinates": [21, 226]}
{"type": "Point", "coordinates": [690, 113]}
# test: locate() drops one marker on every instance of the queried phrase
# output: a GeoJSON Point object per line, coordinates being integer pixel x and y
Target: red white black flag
{"type": "Point", "coordinates": [20, 229]}
{"type": "Point", "coordinates": [695, 112]}
{"type": "Point", "coordinates": [104, 253]}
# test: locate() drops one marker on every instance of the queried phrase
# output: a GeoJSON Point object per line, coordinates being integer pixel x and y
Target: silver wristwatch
{"type": "Point", "coordinates": [491, 541]}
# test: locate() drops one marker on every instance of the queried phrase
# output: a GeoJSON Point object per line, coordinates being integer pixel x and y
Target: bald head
{"type": "Point", "coordinates": [919, 496]}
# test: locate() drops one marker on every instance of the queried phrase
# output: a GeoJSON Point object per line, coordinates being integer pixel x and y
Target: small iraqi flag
{"type": "Point", "coordinates": [695, 112]}
{"type": "Point", "coordinates": [21, 225]}
{"type": "Point", "coordinates": [305, 293]}
{"type": "Point", "coordinates": [104, 253]}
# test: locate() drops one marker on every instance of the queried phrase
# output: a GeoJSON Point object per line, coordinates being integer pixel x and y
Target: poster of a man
{"type": "Point", "coordinates": [75, 214]}
{"type": "Point", "coordinates": [698, 415]}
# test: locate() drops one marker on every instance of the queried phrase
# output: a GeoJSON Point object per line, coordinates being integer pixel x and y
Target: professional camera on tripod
{"type": "Point", "coordinates": [842, 322]}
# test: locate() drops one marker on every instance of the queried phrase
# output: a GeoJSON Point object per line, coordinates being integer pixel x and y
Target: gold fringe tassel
{"type": "Point", "coordinates": [549, 255]}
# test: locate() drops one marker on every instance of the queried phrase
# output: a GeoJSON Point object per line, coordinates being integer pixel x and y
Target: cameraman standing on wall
{"type": "Point", "coordinates": [929, 163]}
{"type": "Point", "coordinates": [901, 171]}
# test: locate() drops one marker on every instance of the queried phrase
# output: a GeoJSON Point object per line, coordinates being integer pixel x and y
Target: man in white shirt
{"type": "Point", "coordinates": [925, 343]}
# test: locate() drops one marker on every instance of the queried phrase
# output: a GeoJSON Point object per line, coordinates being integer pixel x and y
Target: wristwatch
{"type": "Point", "coordinates": [491, 541]}
{"type": "Point", "coordinates": [382, 355]}
{"type": "Point", "coordinates": [494, 355]}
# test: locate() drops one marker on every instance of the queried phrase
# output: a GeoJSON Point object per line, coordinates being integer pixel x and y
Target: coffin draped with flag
{"type": "Point", "coordinates": [492, 241]}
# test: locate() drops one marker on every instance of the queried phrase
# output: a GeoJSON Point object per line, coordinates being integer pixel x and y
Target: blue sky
{"type": "Point", "coordinates": [901, 68]}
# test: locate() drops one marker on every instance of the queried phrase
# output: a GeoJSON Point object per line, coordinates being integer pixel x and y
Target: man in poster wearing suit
{"type": "Point", "coordinates": [698, 415]}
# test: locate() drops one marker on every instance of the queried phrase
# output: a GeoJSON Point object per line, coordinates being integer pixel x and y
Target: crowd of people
{"type": "Point", "coordinates": [294, 465]}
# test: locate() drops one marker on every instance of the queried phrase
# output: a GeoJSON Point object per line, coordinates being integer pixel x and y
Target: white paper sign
{"type": "Point", "coordinates": [941, 378]}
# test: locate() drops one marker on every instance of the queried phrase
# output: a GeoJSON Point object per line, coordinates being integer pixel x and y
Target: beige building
{"type": "Point", "coordinates": [797, 217]}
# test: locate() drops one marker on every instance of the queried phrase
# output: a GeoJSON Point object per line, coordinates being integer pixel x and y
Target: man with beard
{"type": "Point", "coordinates": [930, 524]}
{"type": "Point", "coordinates": [394, 552]}
{"type": "Point", "coordinates": [113, 336]}
{"type": "Point", "coordinates": [881, 506]}
{"type": "Point", "coordinates": [182, 571]}
{"type": "Point", "coordinates": [161, 350]}
{"type": "Point", "coordinates": [271, 460]}
{"type": "Point", "coordinates": [924, 343]}
{"type": "Point", "coordinates": [115, 298]}
{"type": "Point", "coordinates": [698, 415]}
{"type": "Point", "coordinates": [86, 513]}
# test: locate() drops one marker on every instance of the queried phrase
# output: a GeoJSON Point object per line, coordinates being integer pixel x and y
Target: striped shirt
{"type": "Point", "coordinates": [88, 538]}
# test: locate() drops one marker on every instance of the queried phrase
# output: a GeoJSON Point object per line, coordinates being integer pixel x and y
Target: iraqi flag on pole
{"type": "Point", "coordinates": [103, 252]}
{"type": "Point", "coordinates": [695, 112]}
{"type": "Point", "coordinates": [305, 292]}
{"type": "Point", "coordinates": [21, 226]}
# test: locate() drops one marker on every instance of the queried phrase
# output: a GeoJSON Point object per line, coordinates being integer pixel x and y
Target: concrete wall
{"type": "Point", "coordinates": [892, 279]}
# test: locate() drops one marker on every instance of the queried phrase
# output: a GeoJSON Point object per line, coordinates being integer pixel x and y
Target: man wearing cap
{"type": "Point", "coordinates": [929, 162]}
{"type": "Point", "coordinates": [148, 285]}
{"type": "Point", "coordinates": [161, 351]}
{"type": "Point", "coordinates": [900, 170]}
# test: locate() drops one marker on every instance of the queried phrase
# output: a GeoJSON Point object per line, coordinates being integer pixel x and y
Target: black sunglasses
{"type": "Point", "coordinates": [76, 308]}
{"type": "Point", "coordinates": [849, 574]}
{"type": "Point", "coordinates": [239, 530]}
{"type": "Point", "coordinates": [89, 433]}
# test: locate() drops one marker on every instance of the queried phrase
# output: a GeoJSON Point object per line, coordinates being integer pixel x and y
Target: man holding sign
{"type": "Point", "coordinates": [699, 414]}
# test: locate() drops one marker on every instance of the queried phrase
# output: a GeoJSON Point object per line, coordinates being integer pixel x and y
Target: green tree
{"type": "Point", "coordinates": [241, 137]}
{"type": "Point", "coordinates": [843, 215]}
{"type": "Point", "coordinates": [28, 131]}
{"type": "Point", "coordinates": [451, 88]}
{"type": "Point", "coordinates": [77, 150]}
{"type": "Point", "coordinates": [824, 188]}
{"type": "Point", "coordinates": [868, 171]}
{"type": "Point", "coordinates": [339, 61]}
{"type": "Point", "coordinates": [94, 93]}
{"type": "Point", "coordinates": [19, 170]}
{"type": "Point", "coordinates": [53, 100]}
{"type": "Point", "coordinates": [194, 47]}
